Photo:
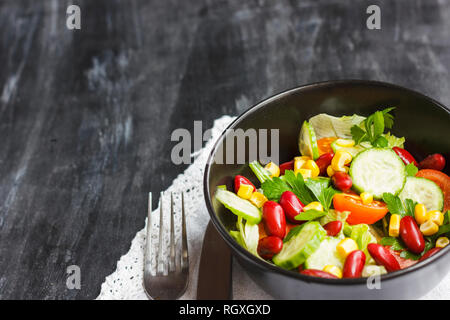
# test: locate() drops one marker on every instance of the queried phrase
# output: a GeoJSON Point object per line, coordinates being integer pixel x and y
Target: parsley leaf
{"type": "Point", "coordinates": [274, 188]}
{"type": "Point", "coordinates": [393, 242]}
{"type": "Point", "coordinates": [297, 184]}
{"type": "Point", "coordinates": [411, 170]}
{"type": "Point", "coordinates": [358, 134]}
{"type": "Point", "coordinates": [373, 127]}
{"type": "Point", "coordinates": [322, 191]}
{"type": "Point", "coordinates": [394, 204]}
{"type": "Point", "coordinates": [309, 215]}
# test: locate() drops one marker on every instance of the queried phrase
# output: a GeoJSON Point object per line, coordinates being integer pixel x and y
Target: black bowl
{"type": "Point", "coordinates": [424, 122]}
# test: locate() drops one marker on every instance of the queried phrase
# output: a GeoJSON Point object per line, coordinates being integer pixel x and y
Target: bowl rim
{"type": "Point", "coordinates": [271, 267]}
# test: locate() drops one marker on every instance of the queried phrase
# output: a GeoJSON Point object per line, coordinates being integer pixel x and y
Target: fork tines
{"type": "Point", "coordinates": [173, 264]}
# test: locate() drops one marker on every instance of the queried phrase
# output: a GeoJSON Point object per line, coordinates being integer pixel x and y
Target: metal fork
{"type": "Point", "coordinates": [162, 285]}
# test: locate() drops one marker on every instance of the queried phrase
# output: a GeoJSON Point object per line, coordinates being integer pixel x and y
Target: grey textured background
{"type": "Point", "coordinates": [86, 115]}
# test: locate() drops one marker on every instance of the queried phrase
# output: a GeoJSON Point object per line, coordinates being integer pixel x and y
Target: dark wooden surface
{"type": "Point", "coordinates": [86, 115]}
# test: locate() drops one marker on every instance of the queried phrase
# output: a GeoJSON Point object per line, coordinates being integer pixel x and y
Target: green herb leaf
{"type": "Point", "coordinates": [372, 128]}
{"type": "Point", "coordinates": [378, 124]}
{"type": "Point", "coordinates": [358, 134]}
{"type": "Point", "coordinates": [388, 118]}
{"type": "Point", "coordinates": [297, 184]}
{"type": "Point", "coordinates": [410, 205]}
{"type": "Point", "coordinates": [411, 170]}
{"type": "Point", "coordinates": [274, 188]}
{"type": "Point", "coordinates": [309, 215]}
{"type": "Point", "coordinates": [409, 255]}
{"type": "Point", "coordinates": [381, 142]}
{"type": "Point", "coordinates": [393, 242]}
{"type": "Point", "coordinates": [445, 228]}
{"type": "Point", "coordinates": [394, 204]}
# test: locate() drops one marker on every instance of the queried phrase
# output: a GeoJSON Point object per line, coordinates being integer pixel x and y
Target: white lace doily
{"type": "Point", "coordinates": [126, 281]}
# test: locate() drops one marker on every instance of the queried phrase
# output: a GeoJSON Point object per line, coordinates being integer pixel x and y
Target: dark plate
{"type": "Point", "coordinates": [424, 122]}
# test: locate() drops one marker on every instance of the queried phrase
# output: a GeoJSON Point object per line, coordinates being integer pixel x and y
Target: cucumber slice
{"type": "Point", "coordinates": [307, 142]}
{"type": "Point", "coordinates": [378, 170]}
{"type": "Point", "coordinates": [240, 207]}
{"type": "Point", "coordinates": [299, 247]}
{"type": "Point", "coordinates": [326, 254]}
{"type": "Point", "coordinates": [423, 191]}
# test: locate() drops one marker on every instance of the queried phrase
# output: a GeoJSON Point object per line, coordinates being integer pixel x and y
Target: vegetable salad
{"type": "Point", "coordinates": [354, 203]}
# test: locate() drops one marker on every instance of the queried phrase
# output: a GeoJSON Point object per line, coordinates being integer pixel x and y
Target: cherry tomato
{"type": "Point", "coordinates": [318, 273]}
{"type": "Point", "coordinates": [411, 235]}
{"type": "Point", "coordinates": [342, 181]}
{"type": "Point", "coordinates": [441, 179]}
{"type": "Point", "coordinates": [274, 219]}
{"type": "Point", "coordinates": [333, 228]}
{"type": "Point", "coordinates": [434, 161]}
{"type": "Point", "coordinates": [324, 145]}
{"type": "Point", "coordinates": [324, 161]}
{"type": "Point", "coordinates": [292, 206]}
{"type": "Point", "coordinates": [383, 256]}
{"type": "Point", "coordinates": [286, 166]}
{"type": "Point", "coordinates": [238, 180]}
{"type": "Point", "coordinates": [406, 157]}
{"type": "Point", "coordinates": [429, 253]}
{"type": "Point", "coordinates": [269, 246]}
{"type": "Point", "coordinates": [354, 264]}
{"type": "Point", "coordinates": [359, 212]}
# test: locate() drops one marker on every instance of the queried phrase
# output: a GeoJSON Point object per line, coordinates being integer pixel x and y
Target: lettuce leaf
{"type": "Point", "coordinates": [247, 235]}
{"type": "Point", "coordinates": [325, 125]}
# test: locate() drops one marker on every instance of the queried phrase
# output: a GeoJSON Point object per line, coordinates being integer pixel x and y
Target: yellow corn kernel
{"type": "Point", "coordinates": [436, 216]}
{"type": "Point", "coordinates": [366, 197]}
{"type": "Point", "coordinates": [311, 165]}
{"type": "Point", "coordinates": [306, 173]}
{"type": "Point", "coordinates": [330, 171]}
{"type": "Point", "coordinates": [442, 242]}
{"type": "Point", "coordinates": [429, 228]}
{"type": "Point", "coordinates": [313, 206]}
{"type": "Point", "coordinates": [394, 225]}
{"type": "Point", "coordinates": [420, 213]}
{"type": "Point", "coordinates": [258, 199]}
{"type": "Point", "coordinates": [333, 270]}
{"type": "Point", "coordinates": [298, 164]}
{"type": "Point", "coordinates": [245, 191]}
{"type": "Point", "coordinates": [340, 159]}
{"type": "Point", "coordinates": [346, 246]}
{"type": "Point", "coordinates": [346, 143]}
{"type": "Point", "coordinates": [273, 169]}
{"type": "Point", "coordinates": [303, 158]}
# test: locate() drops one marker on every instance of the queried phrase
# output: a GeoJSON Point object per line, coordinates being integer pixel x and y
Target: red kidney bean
{"type": "Point", "coordinates": [333, 228]}
{"type": "Point", "coordinates": [292, 206]}
{"type": "Point", "coordinates": [274, 219]}
{"type": "Point", "coordinates": [324, 161]}
{"type": "Point", "coordinates": [406, 157]}
{"type": "Point", "coordinates": [318, 273]}
{"type": "Point", "coordinates": [382, 256]}
{"type": "Point", "coordinates": [238, 180]}
{"type": "Point", "coordinates": [354, 264]}
{"type": "Point", "coordinates": [269, 246]}
{"type": "Point", "coordinates": [429, 253]}
{"type": "Point", "coordinates": [434, 161]}
{"type": "Point", "coordinates": [342, 181]}
{"type": "Point", "coordinates": [286, 166]}
{"type": "Point", "coordinates": [411, 235]}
